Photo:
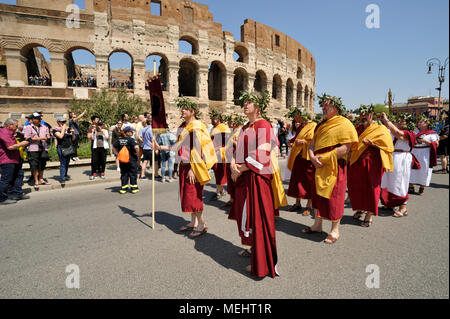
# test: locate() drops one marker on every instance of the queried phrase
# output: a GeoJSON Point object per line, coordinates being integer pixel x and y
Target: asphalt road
{"type": "Point", "coordinates": [109, 237]}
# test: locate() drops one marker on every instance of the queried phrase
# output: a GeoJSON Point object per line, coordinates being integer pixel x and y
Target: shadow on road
{"type": "Point", "coordinates": [130, 212]}
{"type": "Point", "coordinates": [221, 251]}
{"type": "Point", "coordinates": [207, 195]}
{"type": "Point", "coordinates": [294, 229]}
{"type": "Point", "coordinates": [433, 185]}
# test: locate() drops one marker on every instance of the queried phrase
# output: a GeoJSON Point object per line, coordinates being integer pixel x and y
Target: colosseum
{"type": "Point", "coordinates": [214, 72]}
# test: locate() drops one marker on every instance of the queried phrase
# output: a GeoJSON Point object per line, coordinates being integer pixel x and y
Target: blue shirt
{"type": "Point", "coordinates": [27, 122]}
{"type": "Point", "coordinates": [167, 139]}
{"type": "Point", "coordinates": [146, 134]}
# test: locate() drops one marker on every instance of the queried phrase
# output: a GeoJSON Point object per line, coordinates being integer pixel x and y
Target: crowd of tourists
{"type": "Point", "coordinates": [373, 158]}
{"type": "Point", "coordinates": [39, 80]}
{"type": "Point", "coordinates": [82, 82]}
{"type": "Point", "coordinates": [116, 84]}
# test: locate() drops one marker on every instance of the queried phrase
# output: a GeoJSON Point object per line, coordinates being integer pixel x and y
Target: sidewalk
{"type": "Point", "coordinates": [79, 172]}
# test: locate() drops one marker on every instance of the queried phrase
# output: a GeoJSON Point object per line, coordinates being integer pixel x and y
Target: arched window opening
{"type": "Point", "coordinates": [38, 66]}
{"type": "Point", "coordinates": [81, 68]}
{"type": "Point", "coordinates": [161, 68]}
{"type": "Point", "coordinates": [216, 82]}
{"type": "Point", "coordinates": [121, 72]}
{"type": "Point", "coordinates": [187, 78]}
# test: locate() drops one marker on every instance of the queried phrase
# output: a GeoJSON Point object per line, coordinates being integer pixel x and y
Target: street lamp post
{"type": "Point", "coordinates": [441, 78]}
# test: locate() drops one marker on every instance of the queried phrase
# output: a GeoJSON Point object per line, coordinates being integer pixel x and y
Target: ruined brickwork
{"type": "Point", "coordinates": [268, 59]}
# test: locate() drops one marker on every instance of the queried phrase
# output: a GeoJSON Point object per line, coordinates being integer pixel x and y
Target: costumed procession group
{"type": "Point", "coordinates": [375, 157]}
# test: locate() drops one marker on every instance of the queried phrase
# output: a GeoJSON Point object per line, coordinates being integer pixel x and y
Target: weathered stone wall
{"type": "Point", "coordinates": [129, 26]}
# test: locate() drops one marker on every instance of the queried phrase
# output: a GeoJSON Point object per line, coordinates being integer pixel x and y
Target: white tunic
{"type": "Point", "coordinates": [397, 181]}
{"type": "Point", "coordinates": [422, 176]}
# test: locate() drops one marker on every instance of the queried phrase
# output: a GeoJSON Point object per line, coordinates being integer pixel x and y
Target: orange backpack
{"type": "Point", "coordinates": [124, 155]}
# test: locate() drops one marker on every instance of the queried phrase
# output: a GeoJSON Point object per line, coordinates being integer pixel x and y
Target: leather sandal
{"type": "Point", "coordinates": [245, 253]}
{"type": "Point", "coordinates": [366, 223]}
{"type": "Point", "coordinates": [198, 233]}
{"type": "Point", "coordinates": [308, 230]}
{"type": "Point", "coordinates": [357, 215]}
{"type": "Point", "coordinates": [186, 227]}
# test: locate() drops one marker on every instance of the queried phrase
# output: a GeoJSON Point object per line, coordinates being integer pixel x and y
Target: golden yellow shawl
{"type": "Point", "coordinates": [279, 196]}
{"type": "Point", "coordinates": [219, 129]}
{"type": "Point", "coordinates": [307, 134]}
{"type": "Point", "coordinates": [203, 159]}
{"type": "Point", "coordinates": [381, 137]}
{"type": "Point", "coordinates": [337, 130]}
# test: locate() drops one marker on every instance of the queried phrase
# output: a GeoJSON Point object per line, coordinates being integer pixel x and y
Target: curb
{"type": "Point", "coordinates": [55, 165]}
{"type": "Point", "coordinates": [69, 184]}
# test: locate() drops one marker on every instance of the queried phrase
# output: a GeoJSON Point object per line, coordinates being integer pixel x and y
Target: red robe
{"type": "Point", "coordinates": [364, 181]}
{"type": "Point", "coordinates": [191, 195]}
{"type": "Point", "coordinates": [302, 175]}
{"type": "Point", "coordinates": [332, 208]}
{"type": "Point", "coordinates": [253, 207]}
{"type": "Point", "coordinates": [302, 178]}
{"type": "Point", "coordinates": [220, 168]}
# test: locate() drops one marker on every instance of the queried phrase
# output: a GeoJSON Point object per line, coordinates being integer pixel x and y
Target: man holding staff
{"type": "Point", "coordinates": [196, 155]}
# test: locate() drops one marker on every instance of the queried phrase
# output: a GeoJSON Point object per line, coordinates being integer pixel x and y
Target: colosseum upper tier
{"type": "Point", "coordinates": [217, 70]}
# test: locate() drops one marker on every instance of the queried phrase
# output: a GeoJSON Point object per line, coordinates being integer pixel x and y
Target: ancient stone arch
{"type": "Point", "coordinates": [299, 96]}
{"type": "Point", "coordinates": [163, 69]}
{"type": "Point", "coordinates": [260, 81]}
{"type": "Point", "coordinates": [122, 76]}
{"type": "Point", "coordinates": [289, 93]}
{"type": "Point", "coordinates": [240, 82]}
{"type": "Point", "coordinates": [125, 25]}
{"type": "Point", "coordinates": [217, 81]}
{"type": "Point", "coordinates": [188, 77]}
{"type": "Point", "coordinates": [242, 52]}
{"type": "Point", "coordinates": [192, 41]}
{"type": "Point", "coordinates": [277, 87]}
{"type": "Point", "coordinates": [306, 99]}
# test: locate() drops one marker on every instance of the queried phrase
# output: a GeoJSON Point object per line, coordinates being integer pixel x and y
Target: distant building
{"type": "Point", "coordinates": [427, 105]}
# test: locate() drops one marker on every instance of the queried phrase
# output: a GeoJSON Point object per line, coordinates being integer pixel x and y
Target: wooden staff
{"type": "Point", "coordinates": [153, 167]}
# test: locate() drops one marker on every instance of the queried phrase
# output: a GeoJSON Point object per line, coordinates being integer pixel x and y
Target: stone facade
{"type": "Point", "coordinates": [267, 58]}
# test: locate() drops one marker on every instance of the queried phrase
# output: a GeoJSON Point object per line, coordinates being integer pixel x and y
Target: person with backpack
{"type": "Point", "coordinates": [127, 151]}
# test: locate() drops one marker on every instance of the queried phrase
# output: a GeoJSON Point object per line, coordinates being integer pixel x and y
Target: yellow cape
{"type": "Point", "coordinates": [381, 137]}
{"type": "Point", "coordinates": [279, 196]}
{"type": "Point", "coordinates": [337, 130]}
{"type": "Point", "coordinates": [307, 134]}
{"type": "Point", "coordinates": [219, 129]}
{"type": "Point", "coordinates": [203, 157]}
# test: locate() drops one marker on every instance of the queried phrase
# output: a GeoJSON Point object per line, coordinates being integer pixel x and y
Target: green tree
{"type": "Point", "coordinates": [109, 106]}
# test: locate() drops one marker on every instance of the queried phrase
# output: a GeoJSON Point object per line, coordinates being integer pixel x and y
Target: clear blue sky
{"type": "Point", "coordinates": [352, 61]}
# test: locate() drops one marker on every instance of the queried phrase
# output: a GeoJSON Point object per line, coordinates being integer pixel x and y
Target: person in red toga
{"type": "Point", "coordinates": [333, 138]}
{"type": "Point", "coordinates": [252, 172]}
{"type": "Point", "coordinates": [219, 134]}
{"type": "Point", "coordinates": [369, 159]}
{"type": "Point", "coordinates": [302, 175]}
{"type": "Point", "coordinates": [196, 156]}
{"type": "Point", "coordinates": [236, 122]}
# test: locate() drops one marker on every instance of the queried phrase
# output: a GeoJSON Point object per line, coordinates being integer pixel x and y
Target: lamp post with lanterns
{"type": "Point", "coordinates": [441, 77]}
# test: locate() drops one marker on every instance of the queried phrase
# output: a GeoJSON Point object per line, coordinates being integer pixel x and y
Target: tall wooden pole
{"type": "Point", "coordinates": [153, 167]}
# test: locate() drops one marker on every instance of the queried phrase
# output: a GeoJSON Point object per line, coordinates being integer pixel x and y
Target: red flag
{"type": "Point", "coordinates": [159, 124]}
